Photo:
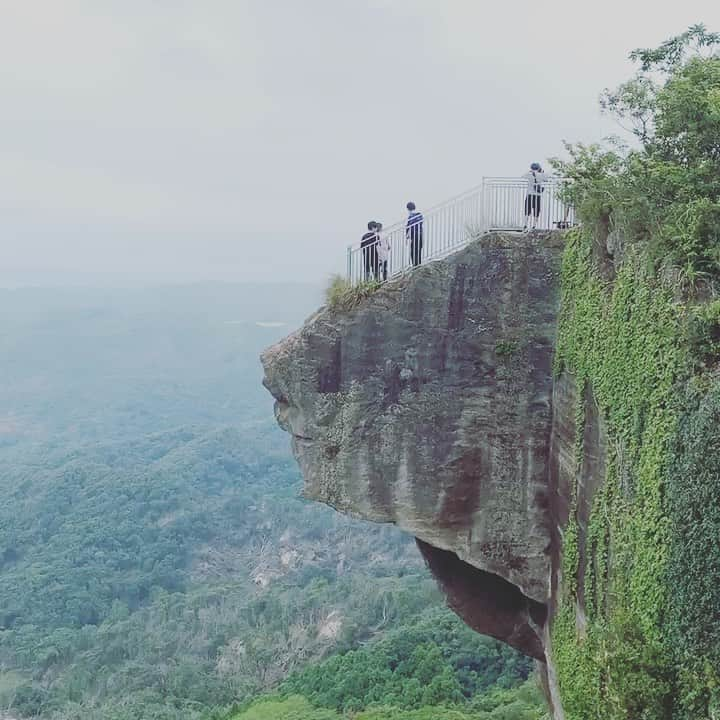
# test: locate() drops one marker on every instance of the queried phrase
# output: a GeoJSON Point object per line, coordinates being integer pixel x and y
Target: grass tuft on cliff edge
{"type": "Point", "coordinates": [342, 295]}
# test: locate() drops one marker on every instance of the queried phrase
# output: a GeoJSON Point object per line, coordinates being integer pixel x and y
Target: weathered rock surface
{"type": "Point", "coordinates": [429, 405]}
{"type": "Point", "coordinates": [487, 603]}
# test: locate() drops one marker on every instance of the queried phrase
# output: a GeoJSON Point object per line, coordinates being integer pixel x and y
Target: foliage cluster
{"type": "Point", "coordinates": [436, 661]}
{"type": "Point", "coordinates": [505, 348]}
{"type": "Point", "coordinates": [693, 489]}
{"type": "Point", "coordinates": [653, 555]}
{"type": "Point", "coordinates": [343, 295]}
{"type": "Point", "coordinates": [626, 343]}
{"type": "Point", "coordinates": [704, 333]}
{"type": "Point", "coordinates": [664, 192]}
{"type": "Point", "coordinates": [644, 642]}
{"type": "Point", "coordinates": [163, 566]}
{"type": "Point", "coordinates": [435, 667]}
{"type": "Point", "coordinates": [521, 703]}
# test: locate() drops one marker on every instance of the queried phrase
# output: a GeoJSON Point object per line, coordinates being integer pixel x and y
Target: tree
{"type": "Point", "coordinates": [666, 192]}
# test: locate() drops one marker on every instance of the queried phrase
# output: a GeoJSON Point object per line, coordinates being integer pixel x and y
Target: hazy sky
{"type": "Point", "coordinates": [170, 140]}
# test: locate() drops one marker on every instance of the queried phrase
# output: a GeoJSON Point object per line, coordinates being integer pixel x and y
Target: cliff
{"type": "Point", "coordinates": [430, 406]}
{"type": "Point", "coordinates": [515, 407]}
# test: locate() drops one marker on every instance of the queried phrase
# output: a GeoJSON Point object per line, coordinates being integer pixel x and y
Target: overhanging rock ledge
{"type": "Point", "coordinates": [429, 405]}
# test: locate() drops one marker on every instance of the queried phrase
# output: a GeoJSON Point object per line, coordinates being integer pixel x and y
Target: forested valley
{"type": "Point", "coordinates": [157, 561]}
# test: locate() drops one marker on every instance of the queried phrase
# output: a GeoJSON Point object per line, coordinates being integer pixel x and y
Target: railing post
{"type": "Point", "coordinates": [349, 264]}
{"type": "Point", "coordinates": [483, 204]}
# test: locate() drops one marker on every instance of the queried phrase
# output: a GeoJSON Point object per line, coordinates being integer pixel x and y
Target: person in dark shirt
{"type": "Point", "coordinates": [414, 233]}
{"type": "Point", "coordinates": [369, 251]}
{"type": "Point", "coordinates": [535, 180]}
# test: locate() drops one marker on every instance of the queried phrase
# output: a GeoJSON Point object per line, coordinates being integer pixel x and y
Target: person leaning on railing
{"type": "Point", "coordinates": [414, 233]}
{"type": "Point", "coordinates": [383, 253]}
{"type": "Point", "coordinates": [368, 244]}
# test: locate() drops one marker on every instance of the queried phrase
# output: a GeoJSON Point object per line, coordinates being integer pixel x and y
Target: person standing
{"type": "Point", "coordinates": [368, 244]}
{"type": "Point", "coordinates": [414, 233]}
{"type": "Point", "coordinates": [536, 179]}
{"type": "Point", "coordinates": [383, 252]}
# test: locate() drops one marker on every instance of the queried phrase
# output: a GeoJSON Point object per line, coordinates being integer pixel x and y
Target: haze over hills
{"type": "Point", "coordinates": [156, 558]}
{"type": "Point", "coordinates": [72, 355]}
{"type": "Point", "coordinates": [539, 413]}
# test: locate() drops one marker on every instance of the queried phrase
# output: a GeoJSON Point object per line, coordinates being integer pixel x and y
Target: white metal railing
{"type": "Point", "coordinates": [496, 204]}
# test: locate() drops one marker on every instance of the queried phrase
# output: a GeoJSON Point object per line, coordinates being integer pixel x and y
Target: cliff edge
{"type": "Point", "coordinates": [429, 405]}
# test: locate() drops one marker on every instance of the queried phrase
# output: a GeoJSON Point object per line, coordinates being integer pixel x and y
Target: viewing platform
{"type": "Point", "coordinates": [496, 204]}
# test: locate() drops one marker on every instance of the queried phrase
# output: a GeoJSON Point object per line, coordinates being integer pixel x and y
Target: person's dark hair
{"type": "Point", "coordinates": [536, 167]}
{"type": "Point", "coordinates": [371, 225]}
{"type": "Point", "coordinates": [410, 206]}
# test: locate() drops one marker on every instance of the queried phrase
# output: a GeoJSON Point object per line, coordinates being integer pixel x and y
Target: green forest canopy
{"type": "Point", "coordinates": [157, 561]}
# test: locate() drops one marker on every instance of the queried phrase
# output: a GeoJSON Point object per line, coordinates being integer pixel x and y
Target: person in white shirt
{"type": "Point", "coordinates": [536, 179]}
{"type": "Point", "coordinates": [383, 251]}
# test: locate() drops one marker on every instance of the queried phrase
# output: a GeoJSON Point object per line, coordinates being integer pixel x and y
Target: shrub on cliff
{"type": "Point", "coordinates": [665, 190]}
{"type": "Point", "coordinates": [340, 294]}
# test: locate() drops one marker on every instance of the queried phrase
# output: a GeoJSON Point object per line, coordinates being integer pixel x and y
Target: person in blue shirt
{"type": "Point", "coordinates": [414, 233]}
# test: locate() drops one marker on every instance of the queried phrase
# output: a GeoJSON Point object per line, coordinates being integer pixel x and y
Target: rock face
{"type": "Point", "coordinates": [487, 603]}
{"type": "Point", "coordinates": [430, 405]}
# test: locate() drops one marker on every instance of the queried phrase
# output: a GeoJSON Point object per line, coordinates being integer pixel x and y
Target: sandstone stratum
{"type": "Point", "coordinates": [433, 405]}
